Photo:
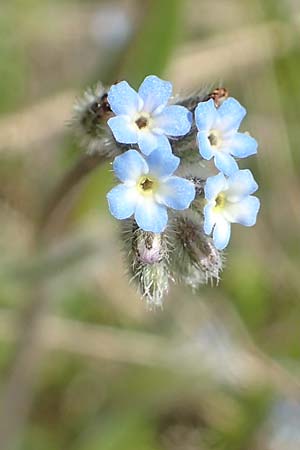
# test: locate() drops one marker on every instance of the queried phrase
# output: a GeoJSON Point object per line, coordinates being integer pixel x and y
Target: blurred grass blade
{"type": "Point", "coordinates": [154, 42]}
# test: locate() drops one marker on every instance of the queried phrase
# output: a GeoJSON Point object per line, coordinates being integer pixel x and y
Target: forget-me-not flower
{"type": "Point", "coordinates": [229, 201]}
{"type": "Point", "coordinates": [143, 117]}
{"type": "Point", "coordinates": [218, 135]}
{"type": "Point", "coordinates": [148, 188]}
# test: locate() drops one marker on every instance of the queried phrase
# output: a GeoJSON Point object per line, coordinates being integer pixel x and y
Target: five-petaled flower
{"type": "Point", "coordinates": [218, 135]}
{"type": "Point", "coordinates": [229, 201]}
{"type": "Point", "coordinates": [148, 188]}
{"type": "Point", "coordinates": [144, 118]}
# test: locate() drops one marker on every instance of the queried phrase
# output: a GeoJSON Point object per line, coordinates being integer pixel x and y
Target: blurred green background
{"type": "Point", "coordinates": [83, 364]}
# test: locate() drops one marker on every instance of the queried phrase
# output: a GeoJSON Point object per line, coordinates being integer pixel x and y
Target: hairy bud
{"type": "Point", "coordinates": [149, 247]}
{"type": "Point", "coordinates": [91, 112]}
{"type": "Point", "coordinates": [148, 262]}
{"type": "Point", "coordinates": [194, 259]}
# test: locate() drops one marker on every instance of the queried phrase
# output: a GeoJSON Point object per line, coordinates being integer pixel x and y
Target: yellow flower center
{"type": "Point", "coordinates": [146, 185]}
{"type": "Point", "coordinates": [220, 201]}
{"type": "Point", "coordinates": [214, 138]}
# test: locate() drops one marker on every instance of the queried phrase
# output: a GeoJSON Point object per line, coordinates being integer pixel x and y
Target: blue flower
{"type": "Point", "coordinates": [144, 118]}
{"type": "Point", "coordinates": [228, 200]}
{"type": "Point", "coordinates": [218, 135]}
{"type": "Point", "coordinates": [148, 188]}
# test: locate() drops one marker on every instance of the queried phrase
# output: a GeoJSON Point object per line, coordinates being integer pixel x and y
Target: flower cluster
{"type": "Point", "coordinates": [180, 187]}
{"type": "Point", "coordinates": [148, 185]}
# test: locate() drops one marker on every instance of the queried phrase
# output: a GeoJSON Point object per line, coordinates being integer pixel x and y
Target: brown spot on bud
{"type": "Point", "coordinates": [101, 106]}
{"type": "Point", "coordinates": [218, 96]}
{"type": "Point", "coordinates": [101, 109]}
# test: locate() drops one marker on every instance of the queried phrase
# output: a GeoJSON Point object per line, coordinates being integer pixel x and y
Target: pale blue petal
{"type": "Point", "coordinates": [230, 115]}
{"type": "Point", "coordinates": [205, 115]}
{"type": "Point", "coordinates": [129, 166]}
{"type": "Point", "coordinates": [155, 93]}
{"type": "Point", "coordinates": [176, 193]}
{"type": "Point", "coordinates": [243, 212]}
{"type": "Point", "coordinates": [162, 163]}
{"type": "Point", "coordinates": [242, 145]}
{"type": "Point", "coordinates": [122, 201]}
{"type": "Point", "coordinates": [209, 218]}
{"type": "Point", "coordinates": [150, 216]}
{"type": "Point", "coordinates": [123, 99]}
{"type": "Point", "coordinates": [174, 120]}
{"type": "Point", "coordinates": [123, 129]}
{"type": "Point", "coordinates": [163, 143]}
{"type": "Point", "coordinates": [221, 233]}
{"type": "Point", "coordinates": [204, 145]}
{"type": "Point", "coordinates": [147, 141]}
{"type": "Point", "coordinates": [240, 184]}
{"type": "Point", "coordinates": [214, 185]}
{"type": "Point", "coordinates": [225, 163]}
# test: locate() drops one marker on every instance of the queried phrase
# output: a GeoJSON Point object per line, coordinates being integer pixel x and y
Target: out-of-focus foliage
{"type": "Point", "coordinates": [215, 368]}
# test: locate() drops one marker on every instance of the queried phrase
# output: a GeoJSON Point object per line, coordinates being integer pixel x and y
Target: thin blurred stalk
{"type": "Point", "coordinates": [56, 206]}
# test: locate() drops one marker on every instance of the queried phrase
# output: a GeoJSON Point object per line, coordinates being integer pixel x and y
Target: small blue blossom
{"type": "Point", "coordinates": [144, 118]}
{"type": "Point", "coordinates": [229, 201]}
{"type": "Point", "coordinates": [218, 135]}
{"type": "Point", "coordinates": [148, 188]}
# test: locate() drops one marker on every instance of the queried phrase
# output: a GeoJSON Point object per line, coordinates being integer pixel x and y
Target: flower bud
{"type": "Point", "coordinates": [195, 260]}
{"type": "Point", "coordinates": [91, 112]}
{"type": "Point", "coordinates": [147, 259]}
{"type": "Point", "coordinates": [149, 247]}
